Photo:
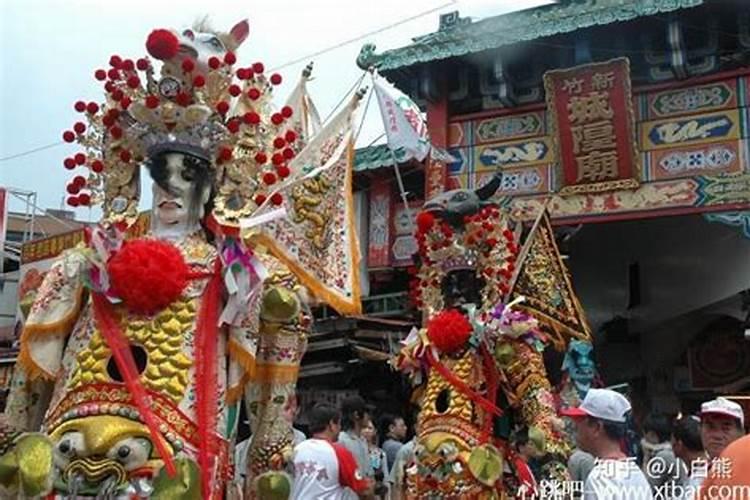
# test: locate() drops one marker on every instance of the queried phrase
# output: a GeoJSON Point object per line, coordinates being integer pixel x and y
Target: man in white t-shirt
{"type": "Point", "coordinates": [324, 469]}
{"type": "Point", "coordinates": [600, 427]}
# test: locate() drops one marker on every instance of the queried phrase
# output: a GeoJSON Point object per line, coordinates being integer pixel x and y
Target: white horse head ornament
{"type": "Point", "coordinates": [199, 43]}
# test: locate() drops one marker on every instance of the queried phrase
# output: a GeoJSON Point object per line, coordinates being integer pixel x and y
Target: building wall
{"type": "Point", "coordinates": [690, 272]}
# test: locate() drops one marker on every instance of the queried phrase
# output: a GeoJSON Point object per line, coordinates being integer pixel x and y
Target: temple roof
{"type": "Point", "coordinates": [470, 37]}
{"type": "Point", "coordinates": [372, 157]}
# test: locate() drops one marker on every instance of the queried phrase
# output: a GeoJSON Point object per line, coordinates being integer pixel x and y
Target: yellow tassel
{"type": "Point", "coordinates": [245, 359]}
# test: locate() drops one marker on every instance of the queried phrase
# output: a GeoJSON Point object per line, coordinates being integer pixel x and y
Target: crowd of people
{"type": "Point", "coordinates": [350, 455]}
{"type": "Point", "coordinates": [703, 456]}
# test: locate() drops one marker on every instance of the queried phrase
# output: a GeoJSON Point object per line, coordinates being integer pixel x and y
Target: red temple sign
{"type": "Point", "coordinates": [591, 116]}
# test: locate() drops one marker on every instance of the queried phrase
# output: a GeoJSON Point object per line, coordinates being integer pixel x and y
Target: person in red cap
{"type": "Point", "coordinates": [722, 421]}
{"type": "Point", "coordinates": [600, 423]}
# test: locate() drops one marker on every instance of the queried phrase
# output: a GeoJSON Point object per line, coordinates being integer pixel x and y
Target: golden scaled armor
{"type": "Point", "coordinates": [478, 356]}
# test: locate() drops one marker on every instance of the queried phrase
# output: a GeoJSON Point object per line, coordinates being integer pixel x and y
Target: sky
{"type": "Point", "coordinates": [49, 50]}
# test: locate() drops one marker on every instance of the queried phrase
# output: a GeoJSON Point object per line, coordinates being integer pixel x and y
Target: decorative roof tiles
{"type": "Point", "coordinates": [372, 157]}
{"type": "Point", "coordinates": [522, 26]}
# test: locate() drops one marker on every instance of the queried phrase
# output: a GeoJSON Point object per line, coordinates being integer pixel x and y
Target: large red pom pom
{"type": "Point", "coordinates": [147, 275]}
{"type": "Point", "coordinates": [162, 44]}
{"type": "Point", "coordinates": [425, 220]}
{"type": "Point", "coordinates": [449, 331]}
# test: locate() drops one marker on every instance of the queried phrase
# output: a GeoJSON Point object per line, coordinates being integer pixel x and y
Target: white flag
{"type": "Point", "coordinates": [305, 119]}
{"type": "Point", "coordinates": [404, 123]}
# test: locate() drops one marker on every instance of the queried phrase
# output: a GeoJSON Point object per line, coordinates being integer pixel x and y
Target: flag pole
{"type": "Point", "coordinates": [396, 168]}
{"type": "Point", "coordinates": [401, 189]}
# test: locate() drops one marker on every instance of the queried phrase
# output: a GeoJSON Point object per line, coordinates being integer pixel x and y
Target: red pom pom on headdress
{"type": "Point", "coordinates": [147, 275]}
{"type": "Point", "coordinates": [162, 44]}
{"type": "Point", "coordinates": [425, 220]}
{"type": "Point", "coordinates": [449, 331]}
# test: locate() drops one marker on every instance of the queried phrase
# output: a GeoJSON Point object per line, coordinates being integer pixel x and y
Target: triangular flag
{"type": "Point", "coordinates": [405, 125]}
{"type": "Point", "coordinates": [542, 278]}
{"type": "Point", "coordinates": [317, 239]}
{"type": "Point", "coordinates": [305, 119]}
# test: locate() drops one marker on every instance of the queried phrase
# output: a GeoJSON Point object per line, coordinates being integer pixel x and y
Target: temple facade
{"type": "Point", "coordinates": [627, 121]}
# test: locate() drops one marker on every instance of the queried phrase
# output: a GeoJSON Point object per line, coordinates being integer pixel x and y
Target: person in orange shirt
{"type": "Point", "coordinates": [730, 474]}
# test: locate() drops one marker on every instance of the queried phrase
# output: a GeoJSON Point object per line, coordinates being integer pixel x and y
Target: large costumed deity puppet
{"type": "Point", "coordinates": [490, 307]}
{"type": "Point", "coordinates": [138, 351]}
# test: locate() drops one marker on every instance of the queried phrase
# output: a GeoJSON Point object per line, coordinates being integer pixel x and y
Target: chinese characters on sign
{"type": "Point", "coordinates": [591, 110]}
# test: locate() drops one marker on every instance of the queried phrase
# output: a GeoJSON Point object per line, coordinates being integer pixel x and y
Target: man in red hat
{"type": "Point", "coordinates": [600, 423]}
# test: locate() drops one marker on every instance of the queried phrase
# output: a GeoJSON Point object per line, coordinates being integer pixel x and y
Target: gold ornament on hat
{"type": "Point", "coordinates": [209, 109]}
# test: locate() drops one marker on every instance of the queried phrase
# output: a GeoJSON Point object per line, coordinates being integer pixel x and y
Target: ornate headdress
{"type": "Point", "coordinates": [208, 109]}
{"type": "Point", "coordinates": [484, 243]}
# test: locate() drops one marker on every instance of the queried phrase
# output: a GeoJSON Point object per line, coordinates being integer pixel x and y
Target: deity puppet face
{"type": "Point", "coordinates": [182, 188]}
{"type": "Point", "coordinates": [460, 287]}
{"type": "Point", "coordinates": [579, 362]}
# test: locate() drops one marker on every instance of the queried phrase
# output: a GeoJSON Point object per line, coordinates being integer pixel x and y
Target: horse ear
{"type": "Point", "coordinates": [240, 30]}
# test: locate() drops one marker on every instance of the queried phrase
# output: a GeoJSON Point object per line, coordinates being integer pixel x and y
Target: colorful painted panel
{"type": "Point", "coordinates": [691, 100]}
{"type": "Point", "coordinates": [404, 245]}
{"type": "Point", "coordinates": [504, 128]}
{"type": "Point", "coordinates": [519, 181]}
{"type": "Point", "coordinates": [591, 111]}
{"type": "Point", "coordinates": [701, 129]}
{"type": "Point", "coordinates": [458, 134]}
{"type": "Point", "coordinates": [671, 194]}
{"type": "Point", "coordinates": [379, 230]}
{"type": "Point", "coordinates": [514, 154]}
{"type": "Point", "coordinates": [705, 159]}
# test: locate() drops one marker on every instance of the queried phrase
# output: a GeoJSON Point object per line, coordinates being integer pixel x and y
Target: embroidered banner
{"type": "Point", "coordinates": [380, 216]}
{"type": "Point", "coordinates": [591, 116]}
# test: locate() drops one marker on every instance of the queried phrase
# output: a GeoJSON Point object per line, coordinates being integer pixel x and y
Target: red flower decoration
{"type": "Point", "coordinates": [188, 65]}
{"type": "Point", "coordinates": [69, 136]}
{"type": "Point", "coordinates": [269, 178]}
{"type": "Point", "coordinates": [449, 331]}
{"type": "Point", "coordinates": [222, 107]}
{"type": "Point", "coordinates": [214, 62]}
{"type": "Point", "coordinates": [260, 199]}
{"type": "Point", "coordinates": [230, 58]}
{"type": "Point", "coordinates": [92, 108]}
{"type": "Point", "coordinates": [425, 221]}
{"type": "Point", "coordinates": [258, 67]}
{"type": "Point", "coordinates": [80, 106]}
{"type": "Point", "coordinates": [162, 44]}
{"type": "Point", "coordinates": [199, 81]}
{"type": "Point", "coordinates": [283, 171]}
{"type": "Point", "coordinates": [84, 199]}
{"type": "Point", "coordinates": [251, 118]}
{"type": "Point", "coordinates": [100, 75]}
{"type": "Point", "coordinates": [152, 101]}
{"type": "Point", "coordinates": [276, 79]}
{"type": "Point", "coordinates": [147, 275]}
{"type": "Point", "coordinates": [277, 199]}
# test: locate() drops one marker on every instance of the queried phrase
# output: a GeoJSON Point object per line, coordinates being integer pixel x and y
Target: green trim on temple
{"type": "Point", "coordinates": [522, 26]}
{"type": "Point", "coordinates": [372, 157]}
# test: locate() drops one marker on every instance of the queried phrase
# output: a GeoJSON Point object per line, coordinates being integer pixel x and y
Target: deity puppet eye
{"type": "Point", "coordinates": [279, 400]}
{"type": "Point", "coordinates": [189, 34]}
{"type": "Point", "coordinates": [216, 43]}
